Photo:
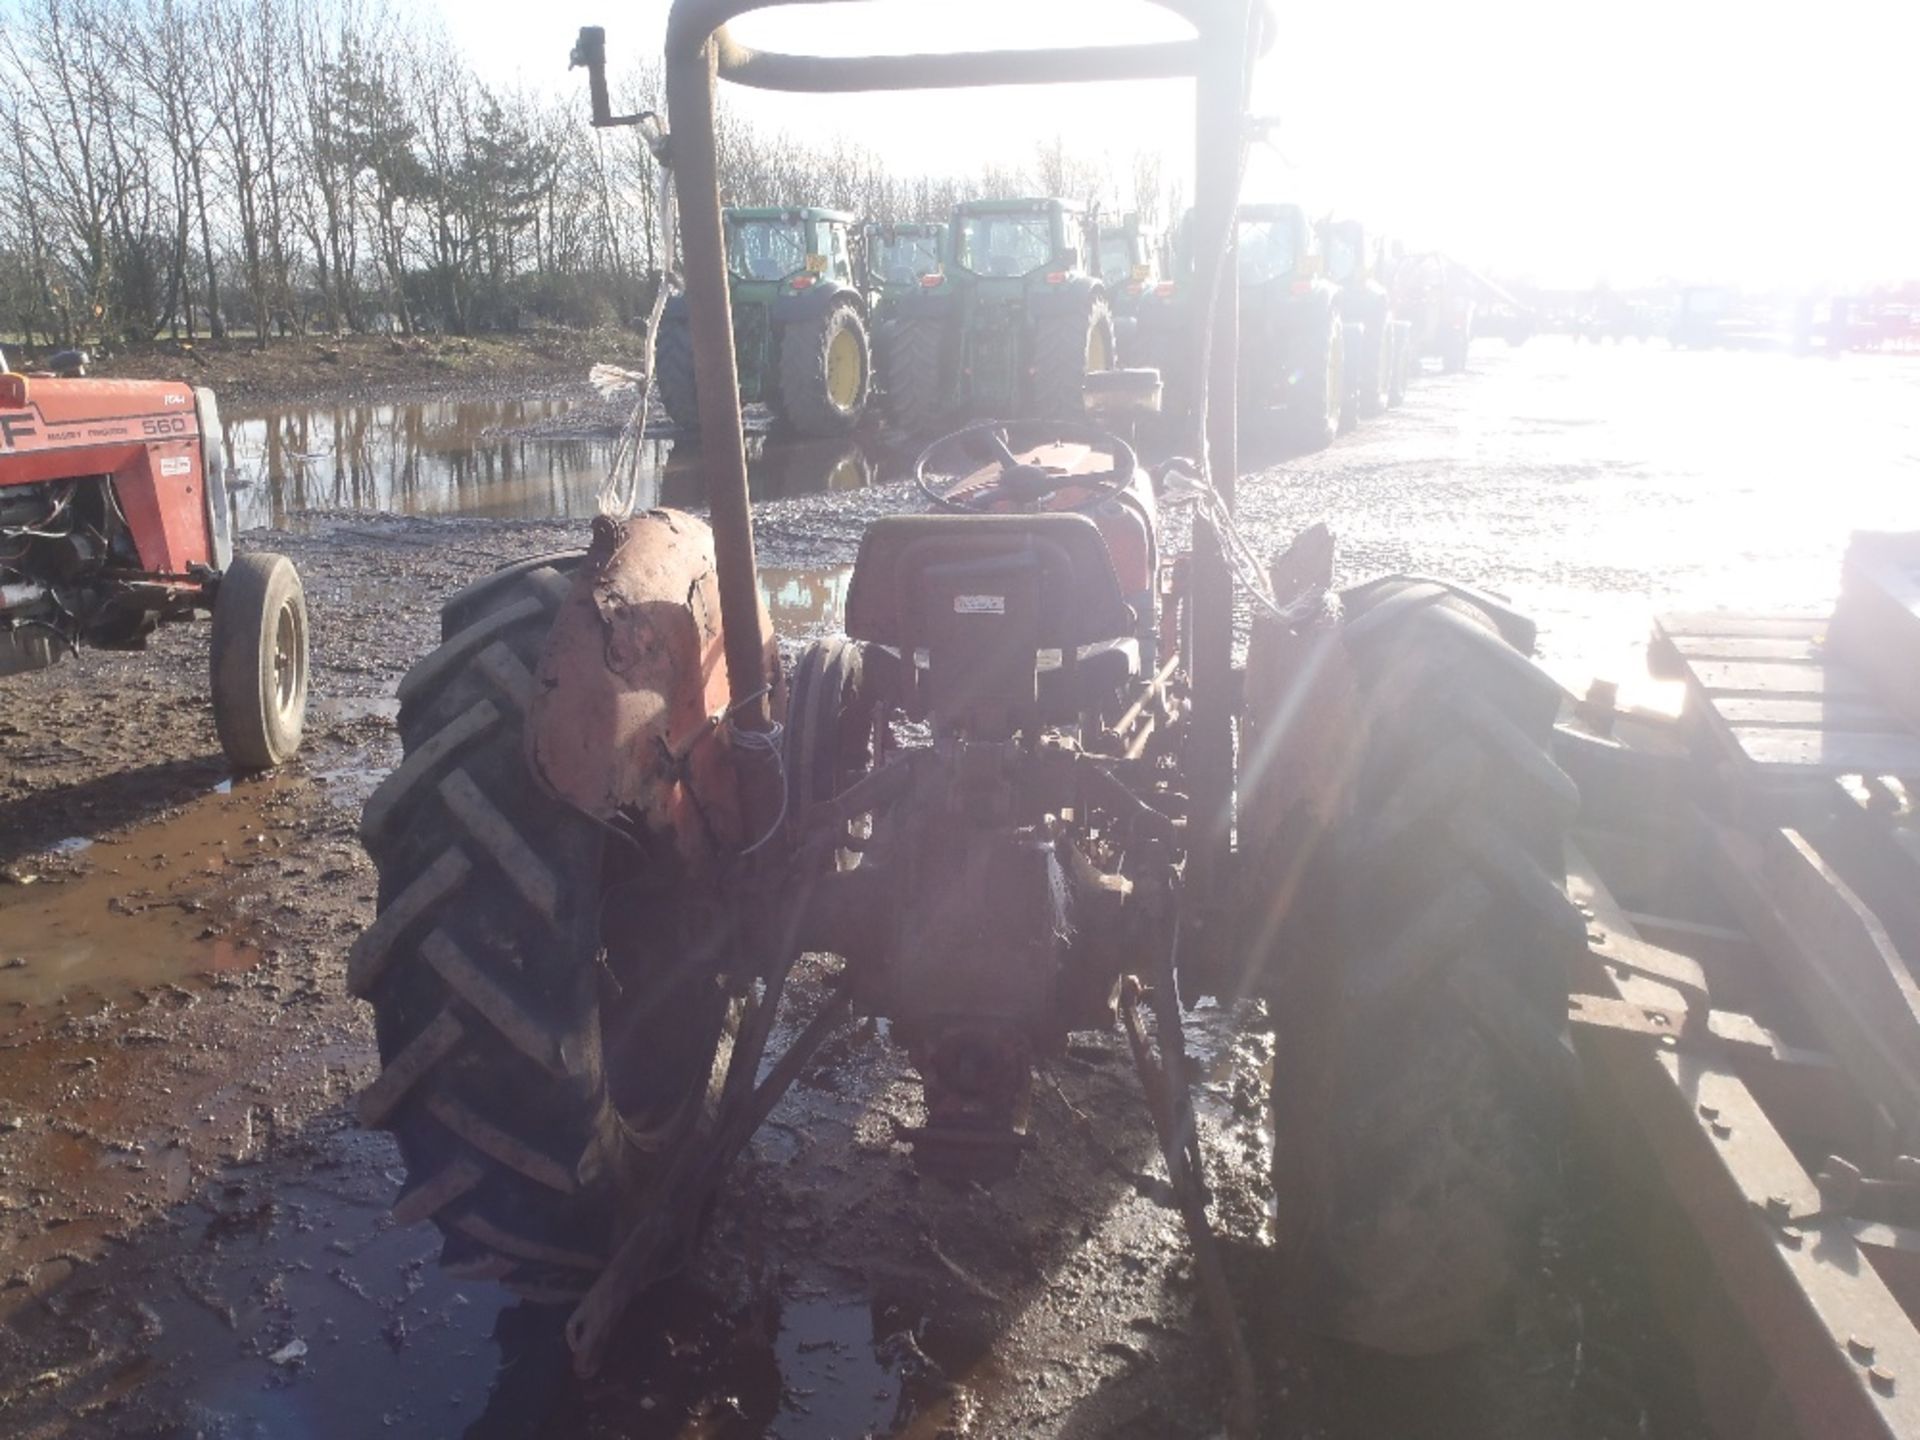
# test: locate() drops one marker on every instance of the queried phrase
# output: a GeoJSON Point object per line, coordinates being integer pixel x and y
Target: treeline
{"type": "Point", "coordinates": [281, 167]}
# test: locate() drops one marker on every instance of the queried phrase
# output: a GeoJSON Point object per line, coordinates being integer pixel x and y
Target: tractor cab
{"type": "Point", "coordinates": [1275, 244]}
{"type": "Point", "coordinates": [773, 245]}
{"type": "Point", "coordinates": [904, 257]}
{"type": "Point", "coordinates": [1015, 239]}
{"type": "Point", "coordinates": [1130, 266]}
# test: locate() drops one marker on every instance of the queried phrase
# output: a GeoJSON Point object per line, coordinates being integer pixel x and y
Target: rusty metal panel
{"type": "Point", "coordinates": [1843, 1354]}
{"type": "Point", "coordinates": [624, 720]}
{"type": "Point", "coordinates": [1833, 952]}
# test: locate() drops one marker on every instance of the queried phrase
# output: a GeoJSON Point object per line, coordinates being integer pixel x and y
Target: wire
{"type": "Point", "coordinates": [769, 741]}
{"type": "Point", "coordinates": [1183, 484]}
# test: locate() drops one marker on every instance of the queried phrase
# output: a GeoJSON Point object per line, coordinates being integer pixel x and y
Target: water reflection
{"type": "Point", "coordinates": [806, 602]}
{"type": "Point", "coordinates": [534, 458]}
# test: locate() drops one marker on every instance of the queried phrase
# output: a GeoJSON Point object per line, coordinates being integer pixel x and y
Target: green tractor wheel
{"type": "Point", "coordinates": [673, 370]}
{"type": "Point", "coordinates": [1376, 358]}
{"type": "Point", "coordinates": [1067, 347]}
{"type": "Point", "coordinates": [825, 372]}
{"type": "Point", "coordinates": [908, 351]}
{"type": "Point", "coordinates": [1314, 411]}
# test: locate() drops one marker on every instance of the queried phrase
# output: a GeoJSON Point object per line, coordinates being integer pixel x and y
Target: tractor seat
{"type": "Point", "coordinates": [985, 597]}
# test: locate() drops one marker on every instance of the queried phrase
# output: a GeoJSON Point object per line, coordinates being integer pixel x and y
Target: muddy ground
{"type": "Point", "coordinates": [193, 1229]}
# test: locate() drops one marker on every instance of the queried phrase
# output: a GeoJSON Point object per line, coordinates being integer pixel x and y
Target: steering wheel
{"type": "Point", "coordinates": [980, 470]}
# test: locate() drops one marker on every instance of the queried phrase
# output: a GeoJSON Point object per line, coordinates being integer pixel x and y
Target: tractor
{"type": "Point", "coordinates": [902, 258]}
{"type": "Point", "coordinates": [1130, 267]}
{"type": "Point", "coordinates": [1294, 350]}
{"type": "Point", "coordinates": [1441, 302]}
{"type": "Point", "coordinates": [1378, 341]}
{"type": "Point", "coordinates": [799, 324]}
{"type": "Point", "coordinates": [1030, 791]}
{"type": "Point", "coordinates": [114, 521]}
{"type": "Point", "coordinates": [1012, 326]}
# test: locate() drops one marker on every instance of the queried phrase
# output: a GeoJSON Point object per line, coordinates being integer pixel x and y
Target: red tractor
{"type": "Point", "coordinates": [113, 521]}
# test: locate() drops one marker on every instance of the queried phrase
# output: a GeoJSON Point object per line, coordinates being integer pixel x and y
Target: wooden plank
{"type": "Point", "coordinates": [1864, 715]}
{"type": "Point", "coordinates": [1749, 647]}
{"type": "Point", "coordinates": [1759, 677]}
{"type": "Point", "coordinates": [1829, 752]}
{"type": "Point", "coordinates": [1733, 623]}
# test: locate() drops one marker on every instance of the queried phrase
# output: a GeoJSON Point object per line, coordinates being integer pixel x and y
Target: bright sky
{"type": "Point", "coordinates": [1758, 142]}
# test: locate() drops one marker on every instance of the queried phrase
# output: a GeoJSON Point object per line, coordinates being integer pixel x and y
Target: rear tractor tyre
{"type": "Point", "coordinates": [908, 351]}
{"type": "Point", "coordinates": [673, 373]}
{"type": "Point", "coordinates": [1376, 370]}
{"type": "Point", "coordinates": [1314, 408]}
{"type": "Point", "coordinates": [829, 729]}
{"type": "Point", "coordinates": [826, 372]}
{"type": "Point", "coordinates": [1423, 1058]}
{"type": "Point", "coordinates": [1399, 364]}
{"type": "Point", "coordinates": [1067, 347]}
{"type": "Point", "coordinates": [259, 660]}
{"type": "Point", "coordinates": [542, 1054]}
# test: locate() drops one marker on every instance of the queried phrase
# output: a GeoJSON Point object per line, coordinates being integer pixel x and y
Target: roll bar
{"type": "Point", "coordinates": [1227, 37]}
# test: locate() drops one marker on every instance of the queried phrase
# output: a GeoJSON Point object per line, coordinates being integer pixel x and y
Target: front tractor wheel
{"type": "Point", "coordinates": [1422, 1049]}
{"type": "Point", "coordinates": [826, 372]}
{"type": "Point", "coordinates": [1068, 347]}
{"type": "Point", "coordinates": [259, 660]}
{"type": "Point", "coordinates": [543, 1056]}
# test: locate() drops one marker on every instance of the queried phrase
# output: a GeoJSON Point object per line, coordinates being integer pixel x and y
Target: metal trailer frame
{"type": "Point", "coordinates": [1765, 848]}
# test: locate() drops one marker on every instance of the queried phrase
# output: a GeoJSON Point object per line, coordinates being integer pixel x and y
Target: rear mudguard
{"type": "Point", "coordinates": [927, 303]}
{"type": "Point", "coordinates": [624, 719]}
{"type": "Point", "coordinates": [1070, 297]}
{"type": "Point", "coordinates": [815, 301]}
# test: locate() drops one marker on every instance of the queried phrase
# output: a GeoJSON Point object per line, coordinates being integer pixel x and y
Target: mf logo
{"type": "Point", "coordinates": [16, 427]}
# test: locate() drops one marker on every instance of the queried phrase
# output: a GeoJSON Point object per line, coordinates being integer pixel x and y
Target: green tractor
{"type": "Point", "coordinates": [1013, 326]}
{"type": "Point", "coordinates": [1130, 266]}
{"type": "Point", "coordinates": [799, 323]}
{"type": "Point", "coordinates": [1379, 343]}
{"type": "Point", "coordinates": [1293, 343]}
{"type": "Point", "coordinates": [900, 259]}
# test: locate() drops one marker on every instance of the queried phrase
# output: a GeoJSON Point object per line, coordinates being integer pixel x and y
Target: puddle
{"type": "Point", "coordinates": [142, 911]}
{"type": "Point", "coordinates": [508, 459]}
{"type": "Point", "coordinates": [806, 602]}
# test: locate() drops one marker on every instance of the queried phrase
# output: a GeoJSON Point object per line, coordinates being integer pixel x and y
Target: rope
{"type": "Point", "coordinates": [620, 490]}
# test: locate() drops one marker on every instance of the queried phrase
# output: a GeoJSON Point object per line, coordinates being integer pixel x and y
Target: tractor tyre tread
{"type": "Point", "coordinates": [1313, 416]}
{"type": "Point", "coordinates": [470, 602]}
{"type": "Point", "coordinates": [802, 399]}
{"type": "Point", "coordinates": [483, 971]}
{"type": "Point", "coordinates": [1417, 1106]}
{"type": "Point", "coordinates": [1057, 388]}
{"type": "Point", "coordinates": [908, 353]}
{"type": "Point", "coordinates": [673, 373]}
